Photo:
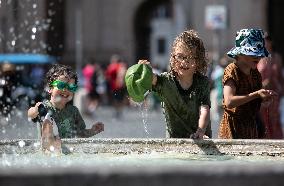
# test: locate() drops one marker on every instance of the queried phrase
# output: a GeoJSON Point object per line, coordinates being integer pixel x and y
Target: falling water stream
{"type": "Point", "coordinates": [144, 109]}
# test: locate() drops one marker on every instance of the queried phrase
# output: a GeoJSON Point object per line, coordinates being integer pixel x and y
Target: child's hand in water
{"type": "Point", "coordinates": [199, 134]}
{"type": "Point", "coordinates": [97, 127]}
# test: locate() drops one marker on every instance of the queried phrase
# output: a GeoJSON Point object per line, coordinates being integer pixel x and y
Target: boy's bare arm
{"type": "Point", "coordinates": [96, 128]}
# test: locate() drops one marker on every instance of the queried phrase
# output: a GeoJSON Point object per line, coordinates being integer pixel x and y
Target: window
{"type": "Point", "coordinates": [161, 46]}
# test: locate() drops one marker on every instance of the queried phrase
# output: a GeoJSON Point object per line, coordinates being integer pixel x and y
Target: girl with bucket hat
{"type": "Point", "coordinates": [242, 84]}
{"type": "Point", "coordinates": [184, 90]}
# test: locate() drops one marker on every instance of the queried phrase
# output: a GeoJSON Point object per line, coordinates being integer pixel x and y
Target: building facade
{"type": "Point", "coordinates": [78, 31]}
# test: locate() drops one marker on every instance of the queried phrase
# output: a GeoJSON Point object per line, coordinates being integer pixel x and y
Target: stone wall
{"type": "Point", "coordinates": [213, 174]}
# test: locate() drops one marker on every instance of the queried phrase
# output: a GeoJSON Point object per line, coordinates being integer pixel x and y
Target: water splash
{"type": "Point", "coordinates": [37, 144]}
{"type": "Point", "coordinates": [143, 108]}
{"type": "Point", "coordinates": [144, 112]}
{"type": "Point", "coordinates": [22, 143]}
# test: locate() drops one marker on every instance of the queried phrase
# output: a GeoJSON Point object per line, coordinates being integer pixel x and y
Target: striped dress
{"type": "Point", "coordinates": [241, 122]}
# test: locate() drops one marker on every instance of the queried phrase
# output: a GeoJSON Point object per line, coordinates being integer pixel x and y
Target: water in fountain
{"type": "Point", "coordinates": [132, 159]}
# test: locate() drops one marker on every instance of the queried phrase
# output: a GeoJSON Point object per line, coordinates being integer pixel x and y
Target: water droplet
{"type": "Point", "coordinates": [34, 29]}
{"type": "Point", "coordinates": [51, 148]}
{"type": "Point", "coordinates": [11, 30]}
{"type": "Point", "coordinates": [36, 144]}
{"type": "Point", "coordinates": [22, 143]}
{"type": "Point", "coordinates": [57, 98]}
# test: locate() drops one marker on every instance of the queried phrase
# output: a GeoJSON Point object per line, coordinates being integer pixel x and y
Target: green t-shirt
{"type": "Point", "coordinates": [68, 120]}
{"type": "Point", "coordinates": [181, 107]}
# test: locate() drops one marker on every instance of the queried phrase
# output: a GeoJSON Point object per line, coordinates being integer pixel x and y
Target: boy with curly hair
{"type": "Point", "coordinates": [58, 112]}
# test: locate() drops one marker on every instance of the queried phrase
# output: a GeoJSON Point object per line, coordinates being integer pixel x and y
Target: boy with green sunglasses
{"type": "Point", "coordinates": [61, 84]}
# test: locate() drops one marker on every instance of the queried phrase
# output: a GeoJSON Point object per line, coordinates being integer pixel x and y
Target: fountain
{"type": "Point", "coordinates": [129, 161]}
{"type": "Point", "coordinates": [144, 162]}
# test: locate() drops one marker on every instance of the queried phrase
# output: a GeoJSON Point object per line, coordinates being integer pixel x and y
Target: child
{"type": "Point", "coordinates": [184, 90]}
{"type": "Point", "coordinates": [242, 87]}
{"type": "Point", "coordinates": [270, 69]}
{"type": "Point", "coordinates": [62, 84]}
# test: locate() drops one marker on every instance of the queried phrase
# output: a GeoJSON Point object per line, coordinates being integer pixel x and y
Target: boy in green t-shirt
{"type": "Point", "coordinates": [58, 117]}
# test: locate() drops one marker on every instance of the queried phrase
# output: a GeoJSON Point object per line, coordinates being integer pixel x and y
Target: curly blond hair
{"type": "Point", "coordinates": [190, 40]}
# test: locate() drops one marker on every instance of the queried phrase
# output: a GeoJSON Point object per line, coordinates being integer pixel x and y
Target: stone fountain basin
{"type": "Point", "coordinates": [213, 173]}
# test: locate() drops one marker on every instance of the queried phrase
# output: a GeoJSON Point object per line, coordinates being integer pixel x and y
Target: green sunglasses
{"type": "Point", "coordinates": [62, 85]}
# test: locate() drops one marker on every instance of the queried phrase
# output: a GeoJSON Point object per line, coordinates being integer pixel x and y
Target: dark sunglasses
{"type": "Point", "coordinates": [63, 85]}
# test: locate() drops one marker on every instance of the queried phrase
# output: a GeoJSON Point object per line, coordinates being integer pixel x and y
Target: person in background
{"type": "Point", "coordinates": [272, 78]}
{"type": "Point", "coordinates": [61, 82]}
{"type": "Point", "coordinates": [216, 77]}
{"type": "Point", "coordinates": [37, 73]}
{"type": "Point", "coordinates": [114, 74]}
{"type": "Point", "coordinates": [243, 92]}
{"type": "Point", "coordinates": [90, 73]}
{"type": "Point", "coordinates": [184, 90]}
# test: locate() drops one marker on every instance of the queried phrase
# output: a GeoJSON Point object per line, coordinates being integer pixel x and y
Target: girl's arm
{"type": "Point", "coordinates": [204, 118]}
{"type": "Point", "coordinates": [232, 101]}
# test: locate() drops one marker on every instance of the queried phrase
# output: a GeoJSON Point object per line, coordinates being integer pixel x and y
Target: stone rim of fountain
{"type": "Point", "coordinates": [237, 147]}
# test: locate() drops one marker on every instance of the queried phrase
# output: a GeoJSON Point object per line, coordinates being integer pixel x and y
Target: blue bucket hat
{"type": "Point", "coordinates": [249, 42]}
